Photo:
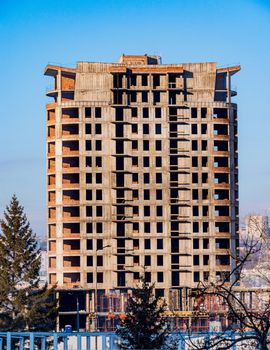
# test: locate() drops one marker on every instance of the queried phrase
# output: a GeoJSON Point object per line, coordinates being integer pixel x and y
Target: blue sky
{"type": "Point", "coordinates": [36, 32]}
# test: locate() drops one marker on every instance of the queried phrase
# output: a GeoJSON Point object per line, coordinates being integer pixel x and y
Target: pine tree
{"type": "Point", "coordinates": [23, 304]}
{"type": "Point", "coordinates": [144, 326]}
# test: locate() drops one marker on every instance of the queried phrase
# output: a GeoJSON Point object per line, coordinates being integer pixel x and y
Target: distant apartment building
{"type": "Point", "coordinates": [142, 176]}
{"type": "Point", "coordinates": [255, 234]}
{"type": "Point", "coordinates": [43, 267]}
{"type": "Point", "coordinates": [43, 261]}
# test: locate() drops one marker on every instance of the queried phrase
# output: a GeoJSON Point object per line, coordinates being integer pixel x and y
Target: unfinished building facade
{"type": "Point", "coordinates": [142, 176]}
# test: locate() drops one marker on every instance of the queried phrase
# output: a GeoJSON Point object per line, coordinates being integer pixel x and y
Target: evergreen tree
{"type": "Point", "coordinates": [23, 304]}
{"type": "Point", "coordinates": [144, 326]}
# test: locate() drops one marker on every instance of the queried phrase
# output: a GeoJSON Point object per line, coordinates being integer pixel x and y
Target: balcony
{"type": "Point", "coordinates": [70, 185]}
{"type": "Point", "coordinates": [67, 81]}
{"type": "Point", "coordinates": [71, 197]}
{"type": "Point", "coordinates": [71, 263]}
{"type": "Point", "coordinates": [224, 94]}
{"type": "Point", "coordinates": [51, 169]}
{"type": "Point", "coordinates": [52, 92]}
{"type": "Point", "coordinates": [222, 185]}
{"type": "Point", "coordinates": [52, 231]}
{"type": "Point", "coordinates": [51, 149]}
{"type": "Point", "coordinates": [70, 148]}
{"type": "Point", "coordinates": [220, 169]}
{"type": "Point", "coordinates": [70, 130]}
{"type": "Point", "coordinates": [51, 133]}
{"type": "Point", "coordinates": [71, 280]}
{"type": "Point", "coordinates": [219, 152]}
{"type": "Point", "coordinates": [50, 116]}
{"type": "Point", "coordinates": [71, 218]}
{"type": "Point", "coordinates": [51, 185]}
{"type": "Point", "coordinates": [71, 246]}
{"type": "Point", "coordinates": [68, 201]}
{"type": "Point", "coordinates": [51, 154]}
{"type": "Point", "coordinates": [52, 246]}
{"type": "Point", "coordinates": [67, 95]}
{"type": "Point", "coordinates": [71, 213]}
{"type": "Point", "coordinates": [71, 230]}
{"type": "Point", "coordinates": [71, 268]}
{"type": "Point", "coordinates": [70, 163]}
{"type": "Point", "coordinates": [70, 115]}
{"type": "Point", "coordinates": [221, 137]}
{"type": "Point", "coordinates": [221, 201]}
{"type": "Point", "coordinates": [70, 152]}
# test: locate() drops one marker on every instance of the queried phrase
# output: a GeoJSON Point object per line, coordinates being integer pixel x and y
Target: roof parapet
{"type": "Point", "coordinates": [139, 59]}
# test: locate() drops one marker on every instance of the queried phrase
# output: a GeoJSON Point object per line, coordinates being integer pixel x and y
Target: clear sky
{"type": "Point", "coordinates": [34, 33]}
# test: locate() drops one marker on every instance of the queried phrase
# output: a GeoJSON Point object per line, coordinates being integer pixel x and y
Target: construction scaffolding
{"type": "Point", "coordinates": [187, 308]}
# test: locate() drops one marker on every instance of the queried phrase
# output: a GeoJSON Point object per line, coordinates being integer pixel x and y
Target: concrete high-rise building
{"type": "Point", "coordinates": [142, 174]}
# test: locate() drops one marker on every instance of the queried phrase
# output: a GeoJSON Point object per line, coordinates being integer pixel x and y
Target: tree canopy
{"type": "Point", "coordinates": [24, 304]}
{"type": "Point", "coordinates": [144, 326]}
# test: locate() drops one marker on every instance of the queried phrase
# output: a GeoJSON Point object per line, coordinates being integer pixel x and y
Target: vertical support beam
{"type": "Point", "coordinates": [1, 343]}
{"type": "Point", "coordinates": [103, 339]}
{"type": "Point", "coordinates": [96, 300]}
{"type": "Point", "coordinates": [66, 343]}
{"type": "Point", "coordinates": [59, 86]}
{"type": "Point", "coordinates": [112, 337]}
{"type": "Point", "coordinates": [87, 304]}
{"type": "Point", "coordinates": [92, 303]}
{"type": "Point", "coordinates": [79, 342]}
{"type": "Point", "coordinates": [21, 343]}
{"type": "Point", "coordinates": [88, 342]}
{"type": "Point", "coordinates": [229, 86]}
{"type": "Point", "coordinates": [43, 343]}
{"type": "Point", "coordinates": [32, 343]}
{"type": "Point", "coordinates": [9, 341]}
{"type": "Point", "coordinates": [55, 341]}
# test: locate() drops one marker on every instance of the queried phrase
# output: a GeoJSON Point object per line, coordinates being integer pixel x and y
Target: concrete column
{"type": "Point", "coordinates": [87, 304]}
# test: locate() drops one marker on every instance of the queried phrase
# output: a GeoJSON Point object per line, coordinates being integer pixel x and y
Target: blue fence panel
{"type": "Point", "coordinates": [89, 340]}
